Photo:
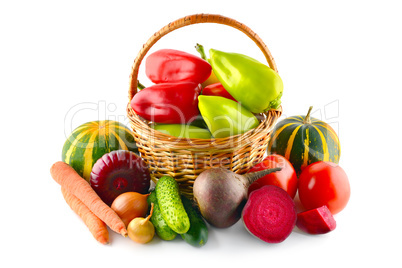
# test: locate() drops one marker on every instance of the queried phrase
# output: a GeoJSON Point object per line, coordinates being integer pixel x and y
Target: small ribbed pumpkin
{"type": "Point", "coordinates": [90, 141]}
{"type": "Point", "coordinates": [304, 140]}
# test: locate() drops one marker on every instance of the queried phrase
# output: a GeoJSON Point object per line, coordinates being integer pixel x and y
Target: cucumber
{"type": "Point", "coordinates": [171, 206]}
{"type": "Point", "coordinates": [197, 235]}
{"type": "Point", "coordinates": [161, 228]}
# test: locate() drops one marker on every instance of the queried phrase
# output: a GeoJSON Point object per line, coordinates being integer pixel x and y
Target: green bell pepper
{"type": "Point", "coordinates": [199, 122]}
{"type": "Point", "coordinates": [183, 131]}
{"type": "Point", "coordinates": [256, 86]}
{"type": "Point", "coordinates": [225, 117]}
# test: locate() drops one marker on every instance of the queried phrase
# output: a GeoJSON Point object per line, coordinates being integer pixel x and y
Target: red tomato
{"type": "Point", "coordinates": [285, 179]}
{"type": "Point", "coordinates": [324, 183]}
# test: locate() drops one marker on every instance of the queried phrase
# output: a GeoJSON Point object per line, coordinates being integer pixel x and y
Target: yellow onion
{"type": "Point", "coordinates": [130, 205]}
{"type": "Point", "coordinates": [141, 230]}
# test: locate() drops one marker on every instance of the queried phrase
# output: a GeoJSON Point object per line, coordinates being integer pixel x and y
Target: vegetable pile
{"type": "Point", "coordinates": [183, 91]}
{"type": "Point", "coordinates": [106, 182]}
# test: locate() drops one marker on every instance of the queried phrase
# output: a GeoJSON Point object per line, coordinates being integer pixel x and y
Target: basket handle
{"type": "Point", "coordinates": [188, 20]}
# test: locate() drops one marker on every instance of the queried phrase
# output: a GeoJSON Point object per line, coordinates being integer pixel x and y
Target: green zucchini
{"type": "Point", "coordinates": [197, 235]}
{"type": "Point", "coordinates": [161, 228]}
{"type": "Point", "coordinates": [171, 206]}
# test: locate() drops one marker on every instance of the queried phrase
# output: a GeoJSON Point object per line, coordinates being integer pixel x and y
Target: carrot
{"type": "Point", "coordinates": [69, 179]}
{"type": "Point", "coordinates": [95, 225]}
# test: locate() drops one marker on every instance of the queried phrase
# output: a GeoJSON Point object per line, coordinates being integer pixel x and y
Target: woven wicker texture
{"type": "Point", "coordinates": [185, 159]}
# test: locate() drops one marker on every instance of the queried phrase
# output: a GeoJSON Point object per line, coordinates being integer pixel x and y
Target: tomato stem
{"type": "Point", "coordinates": [307, 119]}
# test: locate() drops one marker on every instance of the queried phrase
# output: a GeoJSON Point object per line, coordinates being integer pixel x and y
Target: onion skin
{"type": "Point", "coordinates": [118, 172]}
{"type": "Point", "coordinates": [141, 230]}
{"type": "Point", "coordinates": [130, 205]}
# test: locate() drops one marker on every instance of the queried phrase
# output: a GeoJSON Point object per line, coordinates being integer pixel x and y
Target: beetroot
{"type": "Point", "coordinates": [270, 214]}
{"type": "Point", "coordinates": [316, 221]}
{"type": "Point", "coordinates": [221, 194]}
{"type": "Point", "coordinates": [118, 172]}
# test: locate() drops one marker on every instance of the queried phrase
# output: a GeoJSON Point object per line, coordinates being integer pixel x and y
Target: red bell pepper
{"type": "Point", "coordinates": [169, 103]}
{"type": "Point", "coordinates": [169, 65]}
{"type": "Point", "coordinates": [217, 90]}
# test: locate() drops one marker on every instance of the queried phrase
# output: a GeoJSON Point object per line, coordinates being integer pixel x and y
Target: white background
{"type": "Point", "coordinates": [63, 63]}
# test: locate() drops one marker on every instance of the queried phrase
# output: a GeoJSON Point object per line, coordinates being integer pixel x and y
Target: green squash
{"type": "Point", "coordinates": [304, 140]}
{"type": "Point", "coordinates": [90, 141]}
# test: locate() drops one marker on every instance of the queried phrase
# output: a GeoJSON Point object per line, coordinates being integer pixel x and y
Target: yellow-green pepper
{"type": "Point", "coordinates": [252, 83]}
{"type": "Point", "coordinates": [183, 131]}
{"type": "Point", "coordinates": [225, 117]}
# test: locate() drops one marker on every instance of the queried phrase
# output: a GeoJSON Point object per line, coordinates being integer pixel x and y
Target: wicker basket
{"type": "Point", "coordinates": [185, 159]}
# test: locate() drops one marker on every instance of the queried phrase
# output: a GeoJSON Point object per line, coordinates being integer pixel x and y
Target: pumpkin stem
{"type": "Point", "coordinates": [307, 119]}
